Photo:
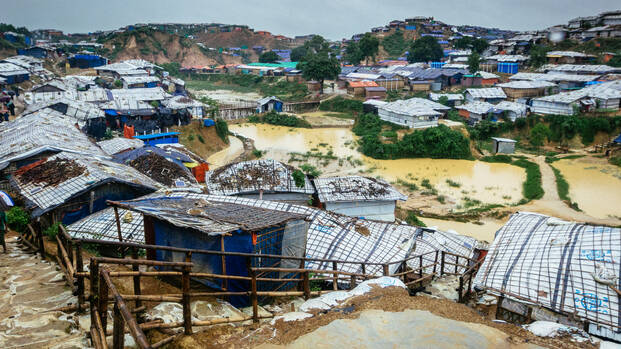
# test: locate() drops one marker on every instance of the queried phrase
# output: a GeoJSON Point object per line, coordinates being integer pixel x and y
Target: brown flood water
{"type": "Point", "coordinates": [594, 185]}
{"type": "Point", "coordinates": [492, 183]}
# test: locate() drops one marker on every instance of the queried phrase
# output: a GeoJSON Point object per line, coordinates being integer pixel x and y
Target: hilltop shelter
{"type": "Point", "coordinates": [503, 145]}
{"type": "Point", "coordinates": [475, 111]}
{"type": "Point", "coordinates": [67, 187]}
{"type": "Point", "coordinates": [358, 88]}
{"type": "Point", "coordinates": [268, 104]}
{"type": "Point", "coordinates": [86, 61]}
{"type": "Point", "coordinates": [259, 179]}
{"type": "Point", "coordinates": [356, 196]}
{"type": "Point", "coordinates": [13, 74]}
{"type": "Point", "coordinates": [544, 268]}
{"type": "Point", "coordinates": [159, 138]}
{"type": "Point", "coordinates": [452, 98]}
{"type": "Point", "coordinates": [512, 110]}
{"type": "Point", "coordinates": [201, 223]}
{"type": "Point", "coordinates": [527, 89]}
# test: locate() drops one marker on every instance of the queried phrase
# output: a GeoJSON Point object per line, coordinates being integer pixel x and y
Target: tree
{"type": "Point", "coordinates": [298, 53]}
{"type": "Point", "coordinates": [538, 56]}
{"type": "Point", "coordinates": [474, 44]}
{"type": "Point", "coordinates": [395, 44]}
{"type": "Point", "coordinates": [353, 55]}
{"type": "Point", "coordinates": [615, 61]}
{"type": "Point", "coordinates": [369, 46]}
{"type": "Point", "coordinates": [269, 57]}
{"type": "Point", "coordinates": [539, 134]}
{"type": "Point", "coordinates": [320, 66]}
{"type": "Point", "coordinates": [473, 62]}
{"type": "Point", "coordinates": [425, 49]}
{"type": "Point", "coordinates": [316, 44]}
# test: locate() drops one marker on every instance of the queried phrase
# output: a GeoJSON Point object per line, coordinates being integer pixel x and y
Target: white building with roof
{"type": "Point", "coordinates": [413, 112]}
{"type": "Point", "coordinates": [513, 110]}
{"type": "Point", "coordinates": [601, 96]}
{"type": "Point", "coordinates": [357, 196]}
{"type": "Point", "coordinates": [490, 94]}
{"type": "Point", "coordinates": [475, 111]}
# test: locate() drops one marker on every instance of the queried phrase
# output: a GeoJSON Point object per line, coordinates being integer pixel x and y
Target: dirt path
{"type": "Point", "coordinates": [552, 205]}
{"type": "Point", "coordinates": [28, 288]}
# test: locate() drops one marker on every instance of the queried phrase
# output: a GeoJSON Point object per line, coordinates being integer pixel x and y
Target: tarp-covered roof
{"type": "Point", "coordinates": [44, 197]}
{"type": "Point", "coordinates": [415, 107]}
{"type": "Point", "coordinates": [119, 144]}
{"type": "Point", "coordinates": [564, 266]}
{"type": "Point", "coordinates": [44, 130]}
{"type": "Point", "coordinates": [210, 217]}
{"type": "Point", "coordinates": [251, 176]}
{"type": "Point", "coordinates": [79, 110]}
{"type": "Point", "coordinates": [490, 92]}
{"type": "Point", "coordinates": [355, 188]}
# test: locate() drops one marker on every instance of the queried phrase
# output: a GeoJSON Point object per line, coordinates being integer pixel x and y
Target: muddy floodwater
{"type": "Point", "coordinates": [483, 231]}
{"type": "Point", "coordinates": [227, 155]}
{"type": "Point", "coordinates": [459, 181]}
{"type": "Point", "coordinates": [594, 185]}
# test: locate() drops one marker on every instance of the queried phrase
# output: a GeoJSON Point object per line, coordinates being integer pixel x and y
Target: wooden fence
{"type": "Point", "coordinates": [127, 308]}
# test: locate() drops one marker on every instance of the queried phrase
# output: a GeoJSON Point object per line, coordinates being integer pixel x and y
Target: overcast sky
{"type": "Point", "coordinates": [334, 19]}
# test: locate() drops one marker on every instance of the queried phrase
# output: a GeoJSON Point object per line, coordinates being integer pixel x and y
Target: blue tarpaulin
{"type": "Point", "coordinates": [159, 138]}
{"type": "Point", "coordinates": [508, 68]}
{"type": "Point", "coordinates": [618, 139]}
{"type": "Point", "coordinates": [208, 122]}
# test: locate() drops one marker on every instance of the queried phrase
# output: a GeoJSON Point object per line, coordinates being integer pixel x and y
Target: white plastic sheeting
{"type": "Point", "coordinates": [566, 267]}
{"type": "Point", "coordinates": [119, 144]}
{"type": "Point", "coordinates": [355, 188]}
{"type": "Point", "coordinates": [429, 240]}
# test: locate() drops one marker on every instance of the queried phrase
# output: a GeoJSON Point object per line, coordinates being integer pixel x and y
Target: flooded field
{"type": "Point", "coordinates": [483, 232]}
{"type": "Point", "coordinates": [228, 96]}
{"type": "Point", "coordinates": [461, 181]}
{"type": "Point", "coordinates": [594, 185]}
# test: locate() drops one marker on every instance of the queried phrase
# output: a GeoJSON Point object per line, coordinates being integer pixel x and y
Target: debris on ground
{"type": "Point", "coordinates": [250, 174]}
{"type": "Point", "coordinates": [159, 169]}
{"type": "Point", "coordinates": [552, 329]}
{"type": "Point", "coordinates": [50, 172]}
{"type": "Point", "coordinates": [444, 287]}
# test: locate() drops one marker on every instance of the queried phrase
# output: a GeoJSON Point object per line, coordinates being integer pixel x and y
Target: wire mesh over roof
{"type": "Point", "coordinates": [96, 171]}
{"type": "Point", "coordinates": [79, 110]}
{"type": "Point", "coordinates": [490, 92]}
{"type": "Point", "coordinates": [131, 80]}
{"type": "Point", "coordinates": [209, 216]}
{"type": "Point", "coordinates": [140, 94]}
{"type": "Point", "coordinates": [428, 240]}
{"type": "Point", "coordinates": [355, 188]}
{"type": "Point", "coordinates": [44, 130]}
{"type": "Point", "coordinates": [252, 176]}
{"type": "Point", "coordinates": [180, 102]}
{"type": "Point", "coordinates": [564, 266]}
{"type": "Point", "coordinates": [90, 95]}
{"type": "Point", "coordinates": [101, 225]}
{"type": "Point", "coordinates": [119, 144]}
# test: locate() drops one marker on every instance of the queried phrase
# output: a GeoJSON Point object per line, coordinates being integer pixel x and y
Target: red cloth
{"type": "Point", "coordinates": [128, 131]}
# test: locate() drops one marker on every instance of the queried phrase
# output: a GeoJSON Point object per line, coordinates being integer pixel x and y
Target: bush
{"type": "Point", "coordinates": [299, 178]}
{"type": "Point", "coordinates": [257, 153]}
{"type": "Point", "coordinates": [439, 142]}
{"type": "Point", "coordinates": [52, 230]}
{"type": "Point", "coordinates": [201, 139]}
{"type": "Point", "coordinates": [222, 130]}
{"type": "Point", "coordinates": [531, 188]}
{"type": "Point", "coordinates": [498, 158]}
{"type": "Point", "coordinates": [17, 219]}
{"type": "Point", "coordinates": [341, 105]}
{"type": "Point", "coordinates": [310, 170]}
{"type": "Point", "coordinates": [539, 134]}
{"type": "Point", "coordinates": [118, 83]}
{"type": "Point", "coordinates": [411, 219]}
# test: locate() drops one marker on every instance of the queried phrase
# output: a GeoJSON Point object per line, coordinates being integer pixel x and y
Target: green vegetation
{"type": "Point", "coordinates": [563, 188]}
{"type": "Point", "coordinates": [17, 219]}
{"type": "Point", "coordinates": [551, 159]}
{"type": "Point", "coordinates": [425, 49]}
{"type": "Point", "coordinates": [222, 130]}
{"type": "Point", "coordinates": [474, 44]}
{"type": "Point", "coordinates": [310, 170]}
{"type": "Point", "coordinates": [411, 219]}
{"type": "Point", "coordinates": [298, 53]}
{"type": "Point", "coordinates": [341, 105]}
{"type": "Point", "coordinates": [539, 134]}
{"type": "Point", "coordinates": [434, 142]}
{"type": "Point", "coordinates": [52, 230]}
{"type": "Point", "coordinates": [453, 184]}
{"type": "Point", "coordinates": [369, 46]}
{"type": "Point", "coordinates": [245, 83]}
{"type": "Point", "coordinates": [616, 160]}
{"type": "Point", "coordinates": [201, 139]}
{"type": "Point", "coordinates": [269, 57]}
{"type": "Point", "coordinates": [538, 56]}
{"type": "Point", "coordinates": [408, 185]}
{"type": "Point", "coordinates": [473, 62]}
{"type": "Point", "coordinates": [274, 118]}
{"type": "Point", "coordinates": [395, 44]}
{"type": "Point", "coordinates": [118, 83]}
{"type": "Point", "coordinates": [172, 68]}
{"type": "Point", "coordinates": [531, 188]}
{"type": "Point", "coordinates": [299, 178]}
{"type": "Point", "coordinates": [257, 153]}
{"type": "Point", "coordinates": [319, 63]}
{"type": "Point", "coordinates": [565, 127]}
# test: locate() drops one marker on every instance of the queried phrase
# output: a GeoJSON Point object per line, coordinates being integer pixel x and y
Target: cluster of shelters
{"type": "Point", "coordinates": [413, 112]}
{"type": "Point", "coordinates": [148, 101]}
{"type": "Point", "coordinates": [17, 69]}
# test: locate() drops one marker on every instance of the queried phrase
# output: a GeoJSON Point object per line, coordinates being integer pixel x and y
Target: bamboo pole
{"type": "Point", "coordinates": [335, 285]}
{"type": "Point", "coordinates": [185, 289]}
{"type": "Point", "coordinates": [100, 329]}
{"type": "Point", "coordinates": [65, 258]}
{"type": "Point", "coordinates": [118, 224]}
{"type": "Point", "coordinates": [118, 333]}
{"type": "Point", "coordinates": [136, 279]}
{"type": "Point", "coordinates": [78, 274]}
{"type": "Point", "coordinates": [164, 341]}
{"type": "Point", "coordinates": [129, 261]}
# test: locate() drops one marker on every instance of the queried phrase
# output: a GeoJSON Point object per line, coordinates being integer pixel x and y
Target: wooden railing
{"type": "Point", "coordinates": [128, 307]}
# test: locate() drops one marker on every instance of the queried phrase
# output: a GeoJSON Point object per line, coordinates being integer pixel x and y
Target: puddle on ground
{"type": "Point", "coordinates": [227, 155]}
{"type": "Point", "coordinates": [484, 232]}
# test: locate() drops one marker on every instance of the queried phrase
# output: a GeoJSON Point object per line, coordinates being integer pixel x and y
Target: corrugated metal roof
{"type": "Point", "coordinates": [355, 188]}
{"type": "Point", "coordinates": [517, 108]}
{"type": "Point", "coordinates": [141, 94]}
{"type": "Point", "coordinates": [491, 92]}
{"type": "Point", "coordinates": [251, 176]}
{"type": "Point", "coordinates": [365, 76]}
{"type": "Point", "coordinates": [606, 90]}
{"type": "Point", "coordinates": [507, 58]}
{"type": "Point", "coordinates": [119, 144]}
{"type": "Point", "coordinates": [554, 77]}
{"type": "Point", "coordinates": [477, 107]}
{"type": "Point", "coordinates": [415, 107]}
{"type": "Point", "coordinates": [131, 80]}
{"type": "Point", "coordinates": [78, 110]}
{"type": "Point", "coordinates": [526, 84]}
{"type": "Point", "coordinates": [451, 96]}
{"type": "Point", "coordinates": [42, 131]}
{"type": "Point", "coordinates": [587, 68]}
{"type": "Point", "coordinates": [43, 197]}
{"type": "Point", "coordinates": [362, 84]}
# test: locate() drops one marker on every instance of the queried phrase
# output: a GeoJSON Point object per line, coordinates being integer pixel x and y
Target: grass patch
{"type": "Point", "coordinates": [562, 186]}
{"type": "Point", "coordinates": [531, 188]}
{"type": "Point", "coordinates": [506, 159]}
{"type": "Point", "coordinates": [615, 160]}
{"type": "Point", "coordinates": [274, 118]}
{"type": "Point", "coordinates": [411, 219]}
{"type": "Point", "coordinates": [409, 185]}
{"type": "Point", "coordinates": [453, 184]}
